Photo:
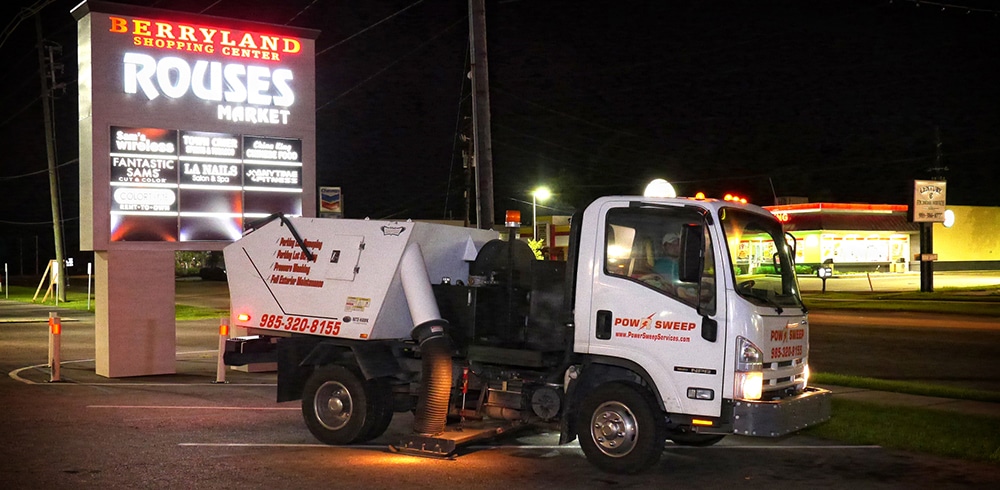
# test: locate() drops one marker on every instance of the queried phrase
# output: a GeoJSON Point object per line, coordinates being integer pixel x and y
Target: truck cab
{"type": "Point", "coordinates": [698, 298]}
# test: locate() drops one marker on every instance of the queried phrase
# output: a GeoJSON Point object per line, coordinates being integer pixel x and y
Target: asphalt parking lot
{"type": "Point", "coordinates": [184, 430]}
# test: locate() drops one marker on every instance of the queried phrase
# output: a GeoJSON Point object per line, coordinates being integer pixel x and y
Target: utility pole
{"type": "Point", "coordinates": [466, 174]}
{"type": "Point", "coordinates": [483, 155]}
{"type": "Point", "coordinates": [50, 151]}
{"type": "Point", "coordinates": [927, 229]}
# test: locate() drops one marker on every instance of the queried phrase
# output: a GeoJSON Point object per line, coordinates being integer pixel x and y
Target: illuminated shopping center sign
{"type": "Point", "coordinates": [191, 125]}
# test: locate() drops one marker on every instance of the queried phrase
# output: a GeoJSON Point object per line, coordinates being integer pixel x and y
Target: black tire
{"type": "Point", "coordinates": [382, 409]}
{"type": "Point", "coordinates": [621, 429]}
{"type": "Point", "coordinates": [336, 405]}
{"type": "Point", "coordinates": [686, 438]}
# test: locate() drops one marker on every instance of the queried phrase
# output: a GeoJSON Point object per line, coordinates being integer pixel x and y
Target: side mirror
{"type": "Point", "coordinates": [790, 240]}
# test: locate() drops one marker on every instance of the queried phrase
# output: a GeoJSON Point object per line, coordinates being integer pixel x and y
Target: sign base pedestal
{"type": "Point", "coordinates": [135, 327]}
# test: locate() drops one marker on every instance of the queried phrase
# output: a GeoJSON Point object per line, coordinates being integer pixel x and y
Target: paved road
{"type": "Point", "coordinates": [184, 431]}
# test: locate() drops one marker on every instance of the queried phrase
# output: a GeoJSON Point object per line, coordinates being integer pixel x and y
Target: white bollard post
{"type": "Point", "coordinates": [220, 368]}
{"type": "Point", "coordinates": [55, 334]}
{"type": "Point", "coordinates": [89, 269]}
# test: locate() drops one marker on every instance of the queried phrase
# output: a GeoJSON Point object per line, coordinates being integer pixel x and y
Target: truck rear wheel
{"type": "Point", "coordinates": [620, 428]}
{"type": "Point", "coordinates": [382, 410]}
{"type": "Point", "coordinates": [336, 405]}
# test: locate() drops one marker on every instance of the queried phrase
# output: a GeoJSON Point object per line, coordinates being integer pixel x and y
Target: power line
{"type": "Point", "coordinates": [366, 29]}
{"type": "Point", "coordinates": [296, 16]}
{"type": "Point", "coordinates": [946, 6]}
{"type": "Point", "coordinates": [458, 124]}
{"type": "Point", "coordinates": [43, 171]}
{"type": "Point", "coordinates": [560, 113]}
{"type": "Point", "coordinates": [390, 65]}
{"type": "Point", "coordinates": [19, 111]}
{"type": "Point", "coordinates": [20, 17]}
{"type": "Point", "coordinates": [34, 223]}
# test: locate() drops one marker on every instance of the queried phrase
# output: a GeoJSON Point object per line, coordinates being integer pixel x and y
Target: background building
{"type": "Point", "coordinates": [880, 237]}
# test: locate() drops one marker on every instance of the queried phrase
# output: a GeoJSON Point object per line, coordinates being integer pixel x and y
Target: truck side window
{"type": "Point", "coordinates": [643, 245]}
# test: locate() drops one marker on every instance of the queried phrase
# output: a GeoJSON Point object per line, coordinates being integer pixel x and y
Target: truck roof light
{"type": "Point", "coordinates": [513, 218]}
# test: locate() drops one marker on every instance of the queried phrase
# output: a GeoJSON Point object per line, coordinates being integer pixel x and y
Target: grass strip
{"type": "Point", "coordinates": [77, 300]}
{"type": "Point", "coordinates": [189, 312]}
{"type": "Point", "coordinates": [909, 387]}
{"type": "Point", "coordinates": [873, 303]}
{"type": "Point", "coordinates": [923, 430]}
{"type": "Point", "coordinates": [979, 301]}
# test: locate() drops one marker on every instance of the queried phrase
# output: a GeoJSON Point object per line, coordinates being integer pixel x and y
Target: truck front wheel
{"type": "Point", "coordinates": [621, 429]}
{"type": "Point", "coordinates": [335, 405]}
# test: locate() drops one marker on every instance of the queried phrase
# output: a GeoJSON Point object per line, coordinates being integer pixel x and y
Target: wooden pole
{"type": "Point", "coordinates": [483, 156]}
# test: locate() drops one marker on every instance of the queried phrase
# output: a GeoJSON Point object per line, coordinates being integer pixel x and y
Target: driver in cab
{"type": "Point", "coordinates": [664, 274]}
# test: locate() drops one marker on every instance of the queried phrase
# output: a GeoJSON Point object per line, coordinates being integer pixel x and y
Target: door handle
{"type": "Point", "coordinates": [604, 324]}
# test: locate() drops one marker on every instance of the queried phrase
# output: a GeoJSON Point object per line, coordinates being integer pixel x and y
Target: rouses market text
{"type": "Point", "coordinates": [214, 81]}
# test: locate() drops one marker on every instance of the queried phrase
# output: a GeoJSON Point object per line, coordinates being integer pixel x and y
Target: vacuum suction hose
{"type": "Point", "coordinates": [430, 331]}
{"type": "Point", "coordinates": [435, 388]}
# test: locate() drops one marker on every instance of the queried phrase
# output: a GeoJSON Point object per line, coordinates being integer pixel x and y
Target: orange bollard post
{"type": "Point", "coordinates": [55, 335]}
{"type": "Point", "coordinates": [220, 369]}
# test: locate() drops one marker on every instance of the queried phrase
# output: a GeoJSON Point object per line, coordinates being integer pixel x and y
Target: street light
{"type": "Point", "coordinates": [539, 194]}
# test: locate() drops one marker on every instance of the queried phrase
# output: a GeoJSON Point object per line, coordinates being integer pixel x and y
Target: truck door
{"type": "Point", "coordinates": [643, 311]}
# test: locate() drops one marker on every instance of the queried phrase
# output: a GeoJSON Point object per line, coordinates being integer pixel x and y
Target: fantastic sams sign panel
{"type": "Point", "coordinates": [191, 126]}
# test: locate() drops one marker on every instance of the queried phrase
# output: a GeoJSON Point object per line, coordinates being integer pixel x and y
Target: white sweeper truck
{"type": "Point", "coordinates": [671, 319]}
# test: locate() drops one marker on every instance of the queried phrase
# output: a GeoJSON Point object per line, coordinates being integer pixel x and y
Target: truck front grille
{"type": "Point", "coordinates": [783, 379]}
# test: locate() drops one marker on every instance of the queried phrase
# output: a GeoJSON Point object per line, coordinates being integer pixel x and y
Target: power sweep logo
{"type": "Point", "coordinates": [653, 330]}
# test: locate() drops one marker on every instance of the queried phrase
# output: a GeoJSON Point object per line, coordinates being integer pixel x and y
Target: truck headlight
{"type": "Point", "coordinates": [749, 386]}
{"type": "Point", "coordinates": [749, 370]}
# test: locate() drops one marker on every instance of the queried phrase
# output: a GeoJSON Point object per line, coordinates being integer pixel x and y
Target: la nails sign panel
{"type": "Point", "coordinates": [190, 126]}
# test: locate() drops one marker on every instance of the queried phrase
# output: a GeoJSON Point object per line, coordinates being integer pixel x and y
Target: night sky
{"type": "Point", "coordinates": [843, 101]}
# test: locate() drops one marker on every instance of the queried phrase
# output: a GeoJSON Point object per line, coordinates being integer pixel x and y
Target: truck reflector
{"type": "Point", "coordinates": [701, 422]}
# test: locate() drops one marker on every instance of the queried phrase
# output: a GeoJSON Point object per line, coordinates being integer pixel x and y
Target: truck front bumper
{"type": "Point", "coordinates": [780, 417]}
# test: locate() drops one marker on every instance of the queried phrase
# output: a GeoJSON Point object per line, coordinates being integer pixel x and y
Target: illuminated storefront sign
{"type": "Point", "coordinates": [253, 93]}
{"type": "Point", "coordinates": [191, 125]}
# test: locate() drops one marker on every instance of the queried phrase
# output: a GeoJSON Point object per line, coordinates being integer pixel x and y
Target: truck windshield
{"type": "Point", "coordinates": [762, 263]}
